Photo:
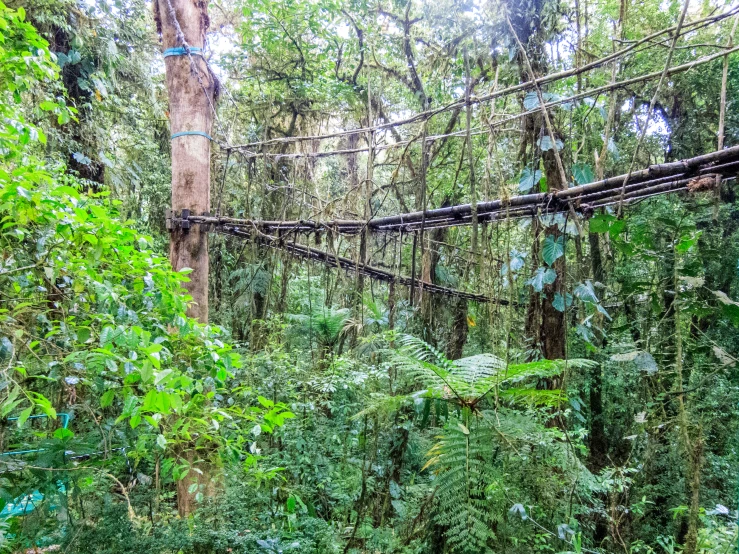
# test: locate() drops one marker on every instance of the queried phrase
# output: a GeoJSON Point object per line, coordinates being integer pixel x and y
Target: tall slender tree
{"type": "Point", "coordinates": [545, 323]}
{"type": "Point", "coordinates": [191, 89]}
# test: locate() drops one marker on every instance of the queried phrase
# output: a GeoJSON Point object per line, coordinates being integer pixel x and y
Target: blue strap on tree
{"type": "Point", "coordinates": [188, 133]}
{"type": "Point", "coordinates": [182, 51]}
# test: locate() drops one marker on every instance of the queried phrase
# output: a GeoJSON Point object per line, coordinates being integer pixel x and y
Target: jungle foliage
{"type": "Point", "coordinates": [318, 411]}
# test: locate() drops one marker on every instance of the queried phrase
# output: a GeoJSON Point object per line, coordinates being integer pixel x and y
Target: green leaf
{"type": "Point", "coordinates": [265, 402]}
{"type": "Point", "coordinates": [600, 223]}
{"type": "Point", "coordinates": [583, 173]}
{"type": "Point", "coordinates": [147, 372]}
{"type": "Point", "coordinates": [613, 149]}
{"type": "Point", "coordinates": [729, 307]}
{"type": "Point", "coordinates": [528, 179]}
{"type": "Point", "coordinates": [129, 405]}
{"type": "Point", "coordinates": [63, 117]}
{"type": "Point", "coordinates": [161, 441]}
{"type": "Point", "coordinates": [553, 249]}
{"type": "Point", "coordinates": [545, 143]}
{"type": "Point", "coordinates": [559, 302]}
{"type": "Point", "coordinates": [531, 100]}
{"type": "Point", "coordinates": [616, 228]}
{"type": "Point", "coordinates": [150, 401]}
{"type": "Point", "coordinates": [25, 414]}
{"type": "Point", "coordinates": [66, 190]}
{"type": "Point", "coordinates": [154, 359]}
{"type": "Point", "coordinates": [586, 293]}
{"type": "Point", "coordinates": [163, 402]}
{"type": "Point", "coordinates": [162, 377]}
{"type": "Point", "coordinates": [106, 337]}
{"type": "Point", "coordinates": [175, 401]}
{"type": "Point", "coordinates": [543, 276]}
{"type": "Point", "coordinates": [63, 434]}
{"type": "Point", "coordinates": [73, 57]}
{"type": "Point", "coordinates": [81, 158]}
{"type": "Point", "coordinates": [107, 398]}
{"type": "Point", "coordinates": [83, 334]}
{"type": "Point", "coordinates": [686, 243]}
{"type": "Point", "coordinates": [10, 402]}
{"type": "Point", "coordinates": [45, 404]}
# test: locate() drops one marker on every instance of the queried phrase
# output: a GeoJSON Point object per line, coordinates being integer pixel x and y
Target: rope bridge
{"type": "Point", "coordinates": [654, 180]}
{"type": "Point", "coordinates": [333, 260]}
{"type": "Point", "coordinates": [693, 174]}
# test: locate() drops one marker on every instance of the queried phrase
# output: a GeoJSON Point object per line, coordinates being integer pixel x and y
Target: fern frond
{"type": "Point", "coordinates": [476, 367]}
{"type": "Point", "coordinates": [423, 351]}
{"type": "Point", "coordinates": [384, 404]}
{"type": "Point", "coordinates": [469, 379]}
{"type": "Point", "coordinates": [534, 397]}
{"type": "Point", "coordinates": [463, 459]}
{"type": "Point", "coordinates": [325, 324]}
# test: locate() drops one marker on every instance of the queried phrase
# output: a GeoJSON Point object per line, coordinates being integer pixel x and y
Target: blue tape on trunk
{"type": "Point", "coordinates": [195, 133]}
{"type": "Point", "coordinates": [182, 51]}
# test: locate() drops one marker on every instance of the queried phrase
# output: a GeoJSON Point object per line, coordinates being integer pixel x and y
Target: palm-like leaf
{"type": "Point", "coordinates": [469, 379]}
{"type": "Point", "coordinates": [324, 324]}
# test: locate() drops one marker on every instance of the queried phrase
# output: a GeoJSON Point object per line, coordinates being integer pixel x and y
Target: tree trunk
{"type": "Point", "coordinates": [694, 491]}
{"type": "Point", "coordinates": [281, 306]}
{"type": "Point", "coordinates": [191, 90]}
{"type": "Point", "coordinates": [533, 309]}
{"type": "Point", "coordinates": [391, 306]}
{"type": "Point", "coordinates": [358, 298]}
{"type": "Point", "coordinates": [459, 331]}
{"type": "Point", "coordinates": [525, 21]}
{"type": "Point", "coordinates": [553, 320]}
{"type": "Point", "coordinates": [598, 440]}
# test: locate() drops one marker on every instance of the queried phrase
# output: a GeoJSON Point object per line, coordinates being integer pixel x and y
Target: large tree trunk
{"type": "Point", "coordinates": [597, 439]}
{"type": "Point", "coordinates": [191, 88]}
{"type": "Point", "coordinates": [533, 309]}
{"type": "Point", "coordinates": [526, 23]}
{"type": "Point", "coordinates": [552, 337]}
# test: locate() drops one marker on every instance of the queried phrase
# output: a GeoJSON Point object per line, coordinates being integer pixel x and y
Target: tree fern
{"type": "Point", "coordinates": [464, 464]}
{"type": "Point", "coordinates": [467, 380]}
{"type": "Point", "coordinates": [251, 278]}
{"type": "Point", "coordinates": [323, 325]}
{"type": "Point", "coordinates": [463, 459]}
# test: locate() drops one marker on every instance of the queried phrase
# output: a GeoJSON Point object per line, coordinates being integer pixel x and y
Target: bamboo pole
{"type": "Point", "coordinates": [720, 162]}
